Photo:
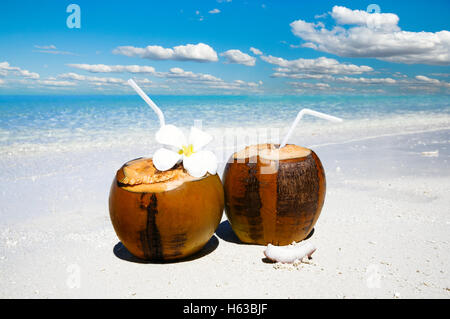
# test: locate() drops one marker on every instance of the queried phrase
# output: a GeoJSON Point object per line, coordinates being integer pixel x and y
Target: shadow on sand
{"type": "Point", "coordinates": [225, 232]}
{"type": "Point", "coordinates": [122, 252]}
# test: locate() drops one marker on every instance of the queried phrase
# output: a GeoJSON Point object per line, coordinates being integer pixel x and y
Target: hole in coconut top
{"type": "Point", "coordinates": [272, 152]}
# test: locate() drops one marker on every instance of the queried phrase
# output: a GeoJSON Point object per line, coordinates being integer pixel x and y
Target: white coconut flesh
{"type": "Point", "coordinates": [141, 176]}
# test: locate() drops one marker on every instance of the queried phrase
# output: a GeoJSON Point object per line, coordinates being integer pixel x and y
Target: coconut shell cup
{"type": "Point", "coordinates": [164, 215]}
{"type": "Point", "coordinates": [273, 195]}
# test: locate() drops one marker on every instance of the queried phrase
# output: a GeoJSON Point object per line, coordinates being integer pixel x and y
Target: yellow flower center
{"type": "Point", "coordinates": [187, 150]}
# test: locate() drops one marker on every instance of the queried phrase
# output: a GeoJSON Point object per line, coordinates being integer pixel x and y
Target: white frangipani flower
{"type": "Point", "coordinates": [196, 162]}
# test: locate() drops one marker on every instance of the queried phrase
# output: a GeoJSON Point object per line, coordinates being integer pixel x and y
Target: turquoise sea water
{"type": "Point", "coordinates": [30, 121]}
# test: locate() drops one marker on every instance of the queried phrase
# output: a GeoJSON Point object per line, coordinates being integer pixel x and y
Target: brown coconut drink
{"type": "Point", "coordinates": [164, 215]}
{"type": "Point", "coordinates": [168, 206]}
{"type": "Point", "coordinates": [274, 194]}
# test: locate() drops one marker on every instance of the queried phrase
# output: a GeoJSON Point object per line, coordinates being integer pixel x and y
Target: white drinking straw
{"type": "Point", "coordinates": [299, 117]}
{"type": "Point", "coordinates": [148, 101]}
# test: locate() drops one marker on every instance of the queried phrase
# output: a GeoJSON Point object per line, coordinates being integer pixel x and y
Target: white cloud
{"type": "Point", "coordinates": [236, 56]}
{"type": "Point", "coordinates": [190, 52]}
{"type": "Point", "coordinates": [93, 79]}
{"type": "Point", "coordinates": [427, 79]}
{"type": "Point", "coordinates": [55, 52]}
{"type": "Point", "coordinates": [399, 75]}
{"type": "Point", "coordinates": [143, 81]}
{"type": "Point", "coordinates": [420, 89]}
{"type": "Point", "coordinates": [51, 49]}
{"type": "Point", "coordinates": [320, 16]}
{"type": "Point", "coordinates": [434, 82]}
{"type": "Point", "coordinates": [384, 21]}
{"type": "Point", "coordinates": [198, 77]}
{"type": "Point", "coordinates": [146, 83]}
{"type": "Point", "coordinates": [28, 74]}
{"type": "Point", "coordinates": [6, 68]}
{"type": "Point", "coordinates": [302, 76]}
{"type": "Point", "coordinates": [256, 51]}
{"type": "Point", "coordinates": [445, 75]}
{"type": "Point", "coordinates": [362, 80]}
{"type": "Point", "coordinates": [50, 82]}
{"type": "Point", "coordinates": [178, 79]}
{"type": "Point", "coordinates": [325, 88]}
{"type": "Point", "coordinates": [102, 68]}
{"type": "Point", "coordinates": [2, 82]}
{"type": "Point", "coordinates": [174, 75]}
{"type": "Point", "coordinates": [214, 11]}
{"type": "Point", "coordinates": [236, 85]}
{"type": "Point", "coordinates": [46, 47]}
{"type": "Point", "coordinates": [320, 65]}
{"type": "Point", "coordinates": [56, 83]}
{"type": "Point", "coordinates": [207, 81]}
{"type": "Point", "coordinates": [375, 35]}
{"type": "Point", "coordinates": [318, 86]}
{"type": "Point", "coordinates": [344, 79]}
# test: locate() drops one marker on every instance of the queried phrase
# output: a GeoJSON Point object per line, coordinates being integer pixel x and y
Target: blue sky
{"type": "Point", "coordinates": [203, 47]}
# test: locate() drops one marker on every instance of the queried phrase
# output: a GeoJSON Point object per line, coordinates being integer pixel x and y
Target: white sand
{"type": "Point", "coordinates": [384, 231]}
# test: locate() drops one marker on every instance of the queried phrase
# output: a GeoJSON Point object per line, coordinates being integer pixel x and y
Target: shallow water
{"type": "Point", "coordinates": [30, 124]}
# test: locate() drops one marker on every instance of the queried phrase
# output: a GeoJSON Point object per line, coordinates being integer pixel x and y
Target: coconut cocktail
{"type": "Point", "coordinates": [168, 206]}
{"type": "Point", "coordinates": [274, 193]}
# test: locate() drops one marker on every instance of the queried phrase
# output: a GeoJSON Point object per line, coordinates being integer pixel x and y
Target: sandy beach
{"type": "Point", "coordinates": [383, 232]}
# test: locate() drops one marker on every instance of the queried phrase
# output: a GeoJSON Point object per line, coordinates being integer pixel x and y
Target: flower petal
{"type": "Point", "coordinates": [171, 135]}
{"type": "Point", "coordinates": [210, 161]}
{"type": "Point", "coordinates": [198, 138]}
{"type": "Point", "coordinates": [164, 159]}
{"type": "Point", "coordinates": [199, 163]}
{"type": "Point", "coordinates": [194, 165]}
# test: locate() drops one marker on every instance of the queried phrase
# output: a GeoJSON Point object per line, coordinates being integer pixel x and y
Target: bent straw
{"type": "Point", "coordinates": [299, 117]}
{"type": "Point", "coordinates": [148, 101]}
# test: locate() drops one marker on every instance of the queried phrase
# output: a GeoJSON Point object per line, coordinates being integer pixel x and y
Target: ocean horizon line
{"type": "Point", "coordinates": [231, 96]}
